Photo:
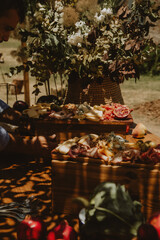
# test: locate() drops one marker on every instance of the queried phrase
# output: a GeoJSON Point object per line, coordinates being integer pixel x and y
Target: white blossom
{"type": "Point", "coordinates": [55, 29]}
{"type": "Point", "coordinates": [80, 24]}
{"type": "Point", "coordinates": [86, 34]}
{"type": "Point", "coordinates": [38, 16]}
{"type": "Point", "coordinates": [106, 11]}
{"type": "Point", "coordinates": [79, 45]}
{"type": "Point", "coordinates": [58, 6]}
{"type": "Point", "coordinates": [99, 18]}
{"type": "Point", "coordinates": [75, 38]}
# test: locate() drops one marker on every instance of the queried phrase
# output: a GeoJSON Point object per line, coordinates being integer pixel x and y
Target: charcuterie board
{"type": "Point", "coordinates": [68, 128]}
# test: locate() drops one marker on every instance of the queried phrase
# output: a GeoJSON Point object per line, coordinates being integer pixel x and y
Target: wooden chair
{"type": "Point", "coordinates": [7, 85]}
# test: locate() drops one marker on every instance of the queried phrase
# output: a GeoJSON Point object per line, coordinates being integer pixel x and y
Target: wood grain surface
{"type": "Point", "coordinates": [72, 178]}
{"type": "Point", "coordinates": [22, 177]}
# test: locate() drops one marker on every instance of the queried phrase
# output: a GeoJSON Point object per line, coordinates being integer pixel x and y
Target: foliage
{"type": "Point", "coordinates": [90, 38]}
{"type": "Point", "coordinates": [111, 212]}
{"type": "Point", "coordinates": [152, 63]}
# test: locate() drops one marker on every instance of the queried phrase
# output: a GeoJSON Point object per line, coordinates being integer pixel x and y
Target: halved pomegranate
{"type": "Point", "coordinates": [121, 112]}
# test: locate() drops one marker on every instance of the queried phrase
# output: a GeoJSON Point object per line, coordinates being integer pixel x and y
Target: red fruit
{"type": "Point", "coordinates": [155, 221]}
{"type": "Point", "coordinates": [121, 112]}
{"type": "Point", "coordinates": [31, 229]}
{"type": "Point", "coordinates": [51, 236]}
{"type": "Point", "coordinates": [147, 232]}
{"type": "Point", "coordinates": [62, 232]}
{"type": "Point", "coordinates": [20, 105]}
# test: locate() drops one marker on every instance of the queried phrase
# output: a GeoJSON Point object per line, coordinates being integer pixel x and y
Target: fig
{"type": "Point", "coordinates": [20, 106]}
{"type": "Point", "coordinates": [139, 131]}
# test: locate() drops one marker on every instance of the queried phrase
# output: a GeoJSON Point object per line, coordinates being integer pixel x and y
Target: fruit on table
{"type": "Point", "coordinates": [144, 146]}
{"type": "Point", "coordinates": [20, 106]}
{"type": "Point", "coordinates": [121, 112]}
{"type": "Point", "coordinates": [62, 232]}
{"type": "Point", "coordinates": [31, 229]}
{"type": "Point", "coordinates": [155, 221]}
{"type": "Point", "coordinates": [139, 131]}
{"type": "Point", "coordinates": [147, 231]}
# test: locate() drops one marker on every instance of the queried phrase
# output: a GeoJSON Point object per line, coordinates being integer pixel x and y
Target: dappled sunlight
{"type": "Point", "coordinates": [79, 177]}
{"type": "Point", "coordinates": [20, 180]}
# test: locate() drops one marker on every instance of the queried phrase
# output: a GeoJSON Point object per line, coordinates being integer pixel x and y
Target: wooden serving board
{"type": "Point", "coordinates": [65, 129]}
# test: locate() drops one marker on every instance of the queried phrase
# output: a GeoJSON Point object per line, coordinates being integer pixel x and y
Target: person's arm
{"type": "Point", "coordinates": [8, 114]}
{"type": "Point", "coordinates": [4, 138]}
{"type": "Point", "coordinates": [11, 116]}
{"type": "Point", "coordinates": [38, 146]}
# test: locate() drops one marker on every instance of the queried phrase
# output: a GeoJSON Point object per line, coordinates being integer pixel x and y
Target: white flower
{"type": "Point", "coordinates": [58, 6]}
{"type": "Point", "coordinates": [56, 17]}
{"type": "Point", "coordinates": [100, 18]}
{"type": "Point", "coordinates": [75, 39]}
{"type": "Point", "coordinates": [38, 16]}
{"type": "Point", "coordinates": [55, 29]}
{"type": "Point", "coordinates": [80, 24]}
{"type": "Point", "coordinates": [61, 15]}
{"type": "Point", "coordinates": [86, 34]}
{"type": "Point", "coordinates": [79, 45]}
{"type": "Point", "coordinates": [61, 21]}
{"type": "Point", "coordinates": [39, 5]}
{"type": "Point", "coordinates": [106, 11]}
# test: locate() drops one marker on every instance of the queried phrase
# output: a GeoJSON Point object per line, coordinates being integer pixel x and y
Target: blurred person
{"type": "Point", "coordinates": [12, 12]}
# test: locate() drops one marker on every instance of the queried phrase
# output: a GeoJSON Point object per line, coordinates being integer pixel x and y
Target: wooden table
{"type": "Point", "coordinates": [21, 177]}
{"type": "Point", "coordinates": [74, 178]}
{"type": "Point", "coordinates": [69, 128]}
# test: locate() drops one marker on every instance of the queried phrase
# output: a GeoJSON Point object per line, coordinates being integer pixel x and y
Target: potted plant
{"type": "Point", "coordinates": [110, 214]}
{"type": "Point", "coordinates": [91, 46]}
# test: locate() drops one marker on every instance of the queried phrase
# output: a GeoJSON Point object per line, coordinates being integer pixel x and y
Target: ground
{"type": "Point", "coordinates": [150, 109]}
{"type": "Point", "coordinates": [149, 114]}
{"type": "Point", "coordinates": [143, 98]}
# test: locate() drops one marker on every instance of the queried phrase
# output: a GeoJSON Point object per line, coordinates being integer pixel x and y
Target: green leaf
{"type": "Point", "coordinates": [100, 216]}
{"type": "Point", "coordinates": [40, 84]}
{"type": "Point", "coordinates": [56, 42]}
{"type": "Point", "coordinates": [91, 212]}
{"type": "Point", "coordinates": [130, 3]}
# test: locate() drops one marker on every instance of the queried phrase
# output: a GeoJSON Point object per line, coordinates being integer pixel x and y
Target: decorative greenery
{"type": "Point", "coordinates": [90, 38]}
{"type": "Point", "coordinates": [152, 64]}
{"type": "Point", "coordinates": [111, 212]}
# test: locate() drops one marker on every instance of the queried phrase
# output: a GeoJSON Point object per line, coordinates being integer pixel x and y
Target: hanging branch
{"type": "Point", "coordinates": [45, 84]}
{"type": "Point", "coordinates": [55, 83]}
{"type": "Point", "coordinates": [61, 80]}
{"type": "Point", "coordinates": [26, 77]}
{"type": "Point", "coordinates": [48, 85]}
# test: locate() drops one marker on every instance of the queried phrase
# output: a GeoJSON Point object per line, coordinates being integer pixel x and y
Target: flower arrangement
{"type": "Point", "coordinates": [89, 38]}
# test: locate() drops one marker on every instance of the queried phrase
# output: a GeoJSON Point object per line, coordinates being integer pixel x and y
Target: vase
{"type": "Point", "coordinates": [97, 93]}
